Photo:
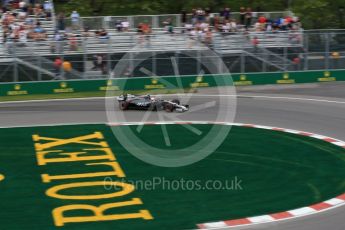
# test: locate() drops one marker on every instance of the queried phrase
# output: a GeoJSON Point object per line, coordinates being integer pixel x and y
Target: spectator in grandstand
{"type": "Point", "coordinates": [86, 33]}
{"type": "Point", "coordinates": [262, 19]}
{"type": "Point", "coordinates": [269, 27]}
{"type": "Point", "coordinates": [208, 38]}
{"type": "Point", "coordinates": [207, 13]}
{"type": "Point", "coordinates": [99, 63]}
{"type": "Point", "coordinates": [146, 29]}
{"type": "Point", "coordinates": [203, 26]}
{"type": "Point", "coordinates": [22, 15]}
{"type": "Point", "coordinates": [75, 20]}
{"type": "Point", "coordinates": [183, 17]}
{"type": "Point", "coordinates": [39, 34]}
{"type": "Point", "coordinates": [104, 65]}
{"type": "Point", "coordinates": [23, 6]}
{"type": "Point", "coordinates": [47, 6]}
{"type": "Point", "coordinates": [168, 25]}
{"type": "Point", "coordinates": [249, 15]}
{"type": "Point", "coordinates": [73, 42]}
{"type": "Point", "coordinates": [118, 25]}
{"type": "Point", "coordinates": [194, 17]}
{"type": "Point", "coordinates": [242, 15]}
{"type": "Point", "coordinates": [255, 43]}
{"type": "Point", "coordinates": [200, 14]}
{"type": "Point", "coordinates": [215, 22]}
{"type": "Point", "coordinates": [30, 10]}
{"type": "Point", "coordinates": [139, 28]}
{"type": "Point", "coordinates": [95, 62]}
{"type": "Point", "coordinates": [226, 13]}
{"type": "Point", "coordinates": [57, 45]}
{"type": "Point", "coordinates": [23, 36]}
{"type": "Point", "coordinates": [61, 21]}
{"type": "Point", "coordinates": [57, 65]}
{"type": "Point", "coordinates": [39, 11]}
{"type": "Point", "coordinates": [232, 25]}
{"type": "Point", "coordinates": [125, 25]}
{"type": "Point", "coordinates": [254, 16]}
{"type": "Point", "coordinates": [102, 34]}
{"type": "Point", "coordinates": [67, 68]}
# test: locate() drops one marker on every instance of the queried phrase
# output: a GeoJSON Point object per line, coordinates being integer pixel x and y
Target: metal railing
{"type": "Point", "coordinates": [320, 52]}
{"type": "Point", "coordinates": [157, 21]}
{"type": "Point", "coordinates": [316, 50]}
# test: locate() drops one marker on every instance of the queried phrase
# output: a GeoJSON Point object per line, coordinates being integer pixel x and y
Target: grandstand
{"type": "Point", "coordinates": [242, 50]}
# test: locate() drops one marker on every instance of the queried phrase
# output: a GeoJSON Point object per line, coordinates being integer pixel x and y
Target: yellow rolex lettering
{"type": "Point", "coordinates": [96, 153]}
{"type": "Point", "coordinates": [54, 142]}
{"type": "Point", "coordinates": [98, 213]}
{"type": "Point", "coordinates": [74, 156]}
{"type": "Point", "coordinates": [126, 189]}
{"type": "Point", "coordinates": [116, 171]}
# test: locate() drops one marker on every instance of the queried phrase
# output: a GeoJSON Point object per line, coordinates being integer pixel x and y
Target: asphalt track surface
{"type": "Point", "coordinates": [317, 108]}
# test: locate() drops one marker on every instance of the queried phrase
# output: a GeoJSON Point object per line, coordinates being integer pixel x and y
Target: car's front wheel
{"type": "Point", "coordinates": [123, 105]}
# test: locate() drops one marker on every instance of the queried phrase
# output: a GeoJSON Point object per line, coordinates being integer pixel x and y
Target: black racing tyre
{"type": "Point", "coordinates": [169, 108]}
{"type": "Point", "coordinates": [153, 107]}
{"type": "Point", "coordinates": [176, 101]}
{"type": "Point", "coordinates": [123, 105]}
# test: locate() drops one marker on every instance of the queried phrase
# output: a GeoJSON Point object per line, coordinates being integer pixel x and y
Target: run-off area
{"type": "Point", "coordinates": [80, 177]}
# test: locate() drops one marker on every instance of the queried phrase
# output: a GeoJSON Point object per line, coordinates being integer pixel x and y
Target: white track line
{"type": "Point", "coordinates": [51, 125]}
{"type": "Point", "coordinates": [194, 95]}
{"type": "Point", "coordinates": [57, 99]}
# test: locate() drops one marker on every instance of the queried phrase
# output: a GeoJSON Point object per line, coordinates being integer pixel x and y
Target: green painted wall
{"type": "Point", "coordinates": [170, 82]}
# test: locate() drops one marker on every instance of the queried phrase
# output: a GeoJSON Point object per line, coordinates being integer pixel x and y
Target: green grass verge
{"type": "Point", "coordinates": [279, 171]}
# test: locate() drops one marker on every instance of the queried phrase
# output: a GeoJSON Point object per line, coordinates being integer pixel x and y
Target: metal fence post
{"type": "Point", "coordinates": [106, 22]}
{"type": "Point", "coordinates": [285, 59]}
{"type": "Point", "coordinates": [327, 50]}
{"type": "Point", "coordinates": [155, 23]}
{"type": "Point", "coordinates": [85, 57]}
{"type": "Point", "coordinates": [178, 20]}
{"type": "Point", "coordinates": [154, 63]}
{"type": "Point", "coordinates": [131, 22]}
{"type": "Point", "coordinates": [39, 63]}
{"type": "Point", "coordinates": [177, 58]}
{"type": "Point", "coordinates": [198, 65]}
{"type": "Point", "coordinates": [220, 64]}
{"type": "Point", "coordinates": [109, 58]}
{"type": "Point", "coordinates": [131, 65]}
{"type": "Point", "coordinates": [306, 54]}
{"type": "Point", "coordinates": [15, 65]}
{"type": "Point", "coordinates": [264, 64]}
{"type": "Point", "coordinates": [243, 65]}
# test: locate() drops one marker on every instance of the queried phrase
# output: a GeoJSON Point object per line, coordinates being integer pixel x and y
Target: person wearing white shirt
{"type": "Point", "coordinates": [75, 19]}
{"type": "Point", "coordinates": [47, 6]}
{"type": "Point", "coordinates": [125, 25]}
{"type": "Point", "coordinates": [22, 4]}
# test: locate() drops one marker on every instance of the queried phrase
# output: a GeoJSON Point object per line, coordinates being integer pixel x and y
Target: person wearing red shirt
{"type": "Point", "coordinates": [57, 65]}
{"type": "Point", "coordinates": [262, 19]}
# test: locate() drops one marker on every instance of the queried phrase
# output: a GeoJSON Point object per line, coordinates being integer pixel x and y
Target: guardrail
{"type": "Point", "coordinates": [168, 83]}
{"type": "Point", "coordinates": [157, 21]}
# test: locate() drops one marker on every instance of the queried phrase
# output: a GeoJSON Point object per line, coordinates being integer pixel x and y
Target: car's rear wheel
{"type": "Point", "coordinates": [123, 105]}
{"type": "Point", "coordinates": [169, 108]}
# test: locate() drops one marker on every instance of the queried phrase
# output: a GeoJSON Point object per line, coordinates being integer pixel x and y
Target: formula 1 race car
{"type": "Point", "coordinates": [147, 102]}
